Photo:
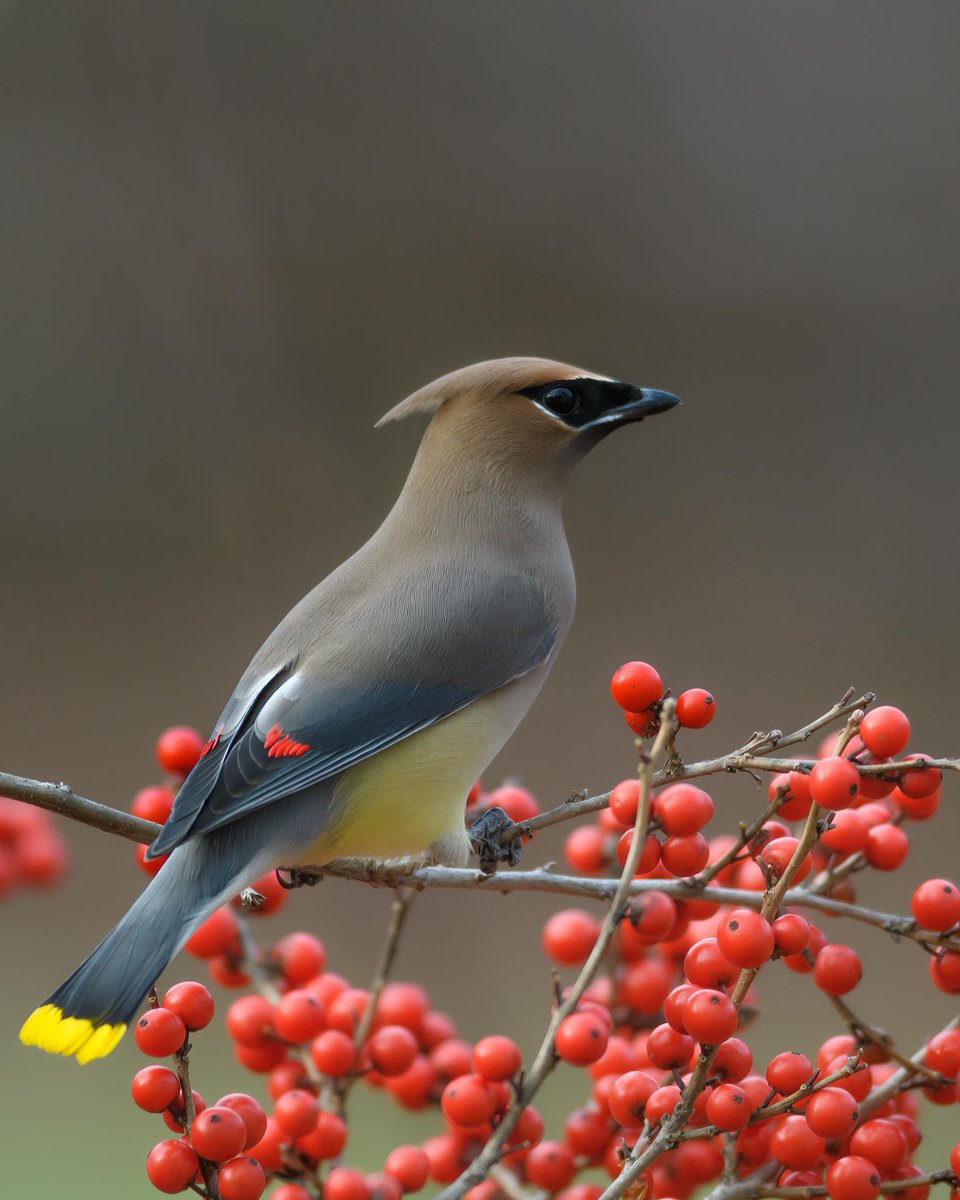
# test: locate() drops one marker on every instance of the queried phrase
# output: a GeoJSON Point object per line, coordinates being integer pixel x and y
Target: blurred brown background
{"type": "Point", "coordinates": [233, 234]}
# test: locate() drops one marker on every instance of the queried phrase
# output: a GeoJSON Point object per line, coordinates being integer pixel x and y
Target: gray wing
{"type": "Point", "coordinates": [395, 670]}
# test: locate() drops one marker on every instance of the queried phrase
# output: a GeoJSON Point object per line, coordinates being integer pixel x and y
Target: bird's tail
{"type": "Point", "coordinates": [87, 1015]}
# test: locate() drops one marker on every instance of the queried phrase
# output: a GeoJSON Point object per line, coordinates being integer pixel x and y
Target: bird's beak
{"type": "Point", "coordinates": [637, 404]}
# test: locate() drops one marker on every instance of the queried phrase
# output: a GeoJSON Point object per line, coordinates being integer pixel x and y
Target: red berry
{"type": "Point", "coordinates": [644, 986]}
{"type": "Point", "coordinates": [778, 854]}
{"type": "Point", "coordinates": [300, 956]}
{"type": "Point", "coordinates": [944, 970]}
{"type": "Point", "coordinates": [847, 833]}
{"type": "Point", "coordinates": [333, 1053]}
{"type": "Point", "coordinates": [661, 1103]}
{"type": "Point", "coordinates": [685, 856]}
{"type": "Point", "coordinates": [643, 724]}
{"type": "Point", "coordinates": [834, 782]}
{"type": "Point", "coordinates": [885, 731]}
{"type": "Point", "coordinates": [581, 1038]}
{"type": "Point", "coordinates": [178, 749]}
{"type": "Point", "coordinates": [519, 804]}
{"type": "Point", "coordinates": [921, 782]}
{"type": "Point", "coordinates": [650, 917]}
{"type": "Point", "coordinates": [496, 1057]}
{"type": "Point", "coordinates": [587, 1132]}
{"type": "Point", "coordinates": [831, 1112]}
{"type": "Point", "coordinates": [942, 1052]}
{"type": "Point", "coordinates": [392, 1049]}
{"type": "Point", "coordinates": [695, 708]}
{"type": "Point", "coordinates": [837, 970]}
{"type": "Point", "coordinates": [881, 1142]}
{"type": "Point", "coordinates": [585, 849]}
{"type": "Point", "coordinates": [935, 904]}
{"type": "Point", "coordinates": [796, 1145]}
{"type": "Point", "coordinates": [217, 935]}
{"type": "Point", "coordinates": [346, 1183]}
{"type": "Point", "coordinates": [708, 966]}
{"type": "Point", "coordinates": [160, 1033]}
{"type": "Point", "coordinates": [788, 1072]}
{"type": "Point", "coordinates": [745, 938]}
{"type": "Point", "coordinates": [886, 847]}
{"type": "Point", "coordinates": [733, 1061]}
{"type": "Point", "coordinates": [795, 789]}
{"type": "Point", "coordinates": [250, 1021]}
{"type": "Point", "coordinates": [297, 1112]}
{"type": "Point", "coordinates": [568, 936]}
{"type": "Point", "coordinates": [550, 1165]}
{"type": "Point", "coordinates": [649, 855]}
{"type": "Point", "coordinates": [625, 800]}
{"type": "Point", "coordinates": [682, 809]}
{"type": "Point", "coordinates": [152, 804]}
{"type": "Point", "coordinates": [347, 1010]}
{"type": "Point", "coordinates": [853, 1178]}
{"type": "Point", "coordinates": [218, 1134]}
{"type": "Point", "coordinates": [791, 933]}
{"type": "Point", "coordinates": [299, 1016]}
{"type": "Point", "coordinates": [241, 1179]}
{"type": "Point", "coordinates": [154, 1088]}
{"type": "Point", "coordinates": [250, 1112]}
{"type": "Point", "coordinates": [710, 1017]}
{"type": "Point", "coordinates": [290, 1191]}
{"type": "Point", "coordinates": [409, 1166]}
{"type": "Point", "coordinates": [326, 1139]}
{"type": "Point", "coordinates": [635, 686]}
{"type": "Point", "coordinates": [629, 1095]}
{"type": "Point", "coordinates": [668, 1049]}
{"type": "Point", "coordinates": [728, 1107]}
{"type": "Point", "coordinates": [174, 1117]}
{"type": "Point", "coordinates": [467, 1101]}
{"type": "Point", "coordinates": [191, 1002]}
{"type": "Point", "coordinates": [172, 1165]}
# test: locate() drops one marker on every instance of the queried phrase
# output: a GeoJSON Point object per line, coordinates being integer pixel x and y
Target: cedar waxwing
{"type": "Point", "coordinates": [372, 708]}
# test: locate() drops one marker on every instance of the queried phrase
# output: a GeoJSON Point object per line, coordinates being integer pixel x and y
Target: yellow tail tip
{"type": "Point", "coordinates": [49, 1029]}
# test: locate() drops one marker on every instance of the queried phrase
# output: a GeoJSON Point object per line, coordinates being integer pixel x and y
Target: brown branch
{"type": "Point", "coordinates": [62, 799]}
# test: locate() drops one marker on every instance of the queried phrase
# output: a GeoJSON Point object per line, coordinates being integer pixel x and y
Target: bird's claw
{"type": "Point", "coordinates": [485, 841]}
{"type": "Point", "coordinates": [293, 877]}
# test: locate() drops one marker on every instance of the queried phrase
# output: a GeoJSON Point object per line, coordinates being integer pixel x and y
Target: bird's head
{"type": "Point", "coordinates": [529, 408]}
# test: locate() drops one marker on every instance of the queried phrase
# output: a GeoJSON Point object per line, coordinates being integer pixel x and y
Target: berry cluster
{"type": "Point", "coordinates": [673, 1100]}
{"type": "Point", "coordinates": [32, 852]}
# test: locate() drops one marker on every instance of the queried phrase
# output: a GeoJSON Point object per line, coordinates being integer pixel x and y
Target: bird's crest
{"type": "Point", "coordinates": [484, 380]}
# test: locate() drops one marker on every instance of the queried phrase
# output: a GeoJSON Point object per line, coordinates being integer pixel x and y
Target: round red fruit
{"type": "Point", "coordinates": [519, 804]}
{"type": "Point", "coordinates": [834, 783]}
{"type": "Point", "coordinates": [333, 1052]}
{"type": "Point", "coordinates": [935, 904]}
{"type": "Point", "coordinates": [242, 1179]}
{"type": "Point", "coordinates": [921, 782]}
{"type": "Point", "coordinates": [409, 1166]}
{"type": "Point", "coordinates": [832, 1113]}
{"type": "Point", "coordinates": [218, 1134]}
{"type": "Point", "coordinates": [467, 1101]}
{"type": "Point", "coordinates": [682, 809]}
{"type": "Point", "coordinates": [745, 938]}
{"type": "Point", "coordinates": [191, 1002]}
{"type": "Point", "coordinates": [695, 708]}
{"type": "Point", "coordinates": [710, 1017]}
{"type": "Point", "coordinates": [297, 1112]}
{"type": "Point", "coordinates": [392, 1049]}
{"type": "Point", "coordinates": [160, 1033]}
{"type": "Point", "coordinates": [178, 749]}
{"type": "Point", "coordinates": [300, 956]}
{"type": "Point", "coordinates": [172, 1165]}
{"type": "Point", "coordinates": [788, 1072]}
{"type": "Point", "coordinates": [837, 970]}
{"type": "Point", "coordinates": [569, 935]}
{"type": "Point", "coordinates": [728, 1107]}
{"type": "Point", "coordinates": [154, 1088]}
{"type": "Point", "coordinates": [250, 1112]}
{"type": "Point", "coordinates": [885, 731]}
{"type": "Point", "coordinates": [635, 686]}
{"type": "Point", "coordinates": [496, 1057]}
{"type": "Point", "coordinates": [581, 1038]}
{"type": "Point", "coordinates": [299, 1016]}
{"type": "Point", "coordinates": [550, 1165]}
{"type": "Point", "coordinates": [347, 1183]}
{"type": "Point", "coordinates": [853, 1178]}
{"type": "Point", "coordinates": [153, 804]}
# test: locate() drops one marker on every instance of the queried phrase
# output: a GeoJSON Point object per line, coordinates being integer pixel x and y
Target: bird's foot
{"type": "Point", "coordinates": [295, 877]}
{"type": "Point", "coordinates": [485, 841]}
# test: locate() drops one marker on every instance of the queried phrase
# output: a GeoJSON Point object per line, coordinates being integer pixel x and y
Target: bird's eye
{"type": "Point", "coordinates": [561, 400]}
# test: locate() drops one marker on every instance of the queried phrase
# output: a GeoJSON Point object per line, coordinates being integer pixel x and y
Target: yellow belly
{"type": "Point", "coordinates": [409, 800]}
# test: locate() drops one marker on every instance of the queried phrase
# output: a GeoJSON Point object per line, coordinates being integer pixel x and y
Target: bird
{"type": "Point", "coordinates": [364, 719]}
